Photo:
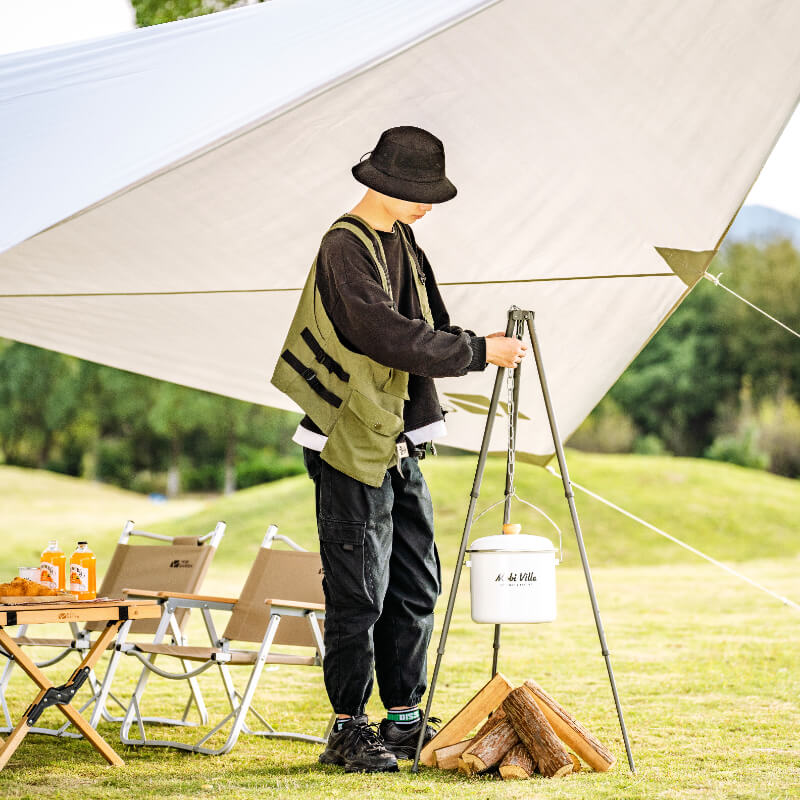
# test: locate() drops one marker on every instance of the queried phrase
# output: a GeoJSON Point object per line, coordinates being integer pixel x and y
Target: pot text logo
{"type": "Point", "coordinates": [515, 577]}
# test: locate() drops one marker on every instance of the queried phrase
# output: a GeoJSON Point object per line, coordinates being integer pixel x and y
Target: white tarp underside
{"type": "Point", "coordinates": [164, 191]}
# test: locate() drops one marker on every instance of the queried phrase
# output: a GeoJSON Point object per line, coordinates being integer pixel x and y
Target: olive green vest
{"type": "Point", "coordinates": [354, 400]}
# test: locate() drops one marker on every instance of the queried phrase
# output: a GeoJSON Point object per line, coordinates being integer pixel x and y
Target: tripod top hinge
{"type": "Point", "coordinates": [520, 314]}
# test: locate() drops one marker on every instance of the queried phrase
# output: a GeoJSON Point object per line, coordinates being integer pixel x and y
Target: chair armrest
{"type": "Point", "coordinates": [296, 604]}
{"type": "Point", "coordinates": [141, 593]}
{"type": "Point", "coordinates": [199, 598]}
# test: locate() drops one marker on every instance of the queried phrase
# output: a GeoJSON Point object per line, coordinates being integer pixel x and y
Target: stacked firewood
{"type": "Point", "coordinates": [527, 732]}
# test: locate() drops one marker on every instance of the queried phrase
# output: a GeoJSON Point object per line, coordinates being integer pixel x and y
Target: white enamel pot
{"type": "Point", "coordinates": [513, 579]}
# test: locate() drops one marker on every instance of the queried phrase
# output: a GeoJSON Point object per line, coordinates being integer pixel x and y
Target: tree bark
{"type": "Point", "coordinates": [537, 734]}
{"type": "Point", "coordinates": [497, 717]}
{"type": "Point", "coordinates": [488, 750]}
{"type": "Point", "coordinates": [517, 763]}
{"type": "Point", "coordinates": [174, 470]}
{"type": "Point", "coordinates": [570, 731]}
{"type": "Point", "coordinates": [230, 463]}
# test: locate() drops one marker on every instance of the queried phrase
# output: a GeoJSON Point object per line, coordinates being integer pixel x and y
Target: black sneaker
{"type": "Point", "coordinates": [358, 748]}
{"type": "Point", "coordinates": [402, 739]}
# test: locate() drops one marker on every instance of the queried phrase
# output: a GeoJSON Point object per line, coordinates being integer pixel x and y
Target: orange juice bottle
{"type": "Point", "coordinates": [83, 573]}
{"type": "Point", "coordinates": [54, 566]}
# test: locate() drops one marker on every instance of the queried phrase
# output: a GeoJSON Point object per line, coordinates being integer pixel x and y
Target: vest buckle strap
{"type": "Point", "coordinates": [308, 374]}
{"type": "Point", "coordinates": [333, 366]}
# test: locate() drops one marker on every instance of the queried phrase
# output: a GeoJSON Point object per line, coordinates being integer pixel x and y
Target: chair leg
{"type": "Point", "coordinates": [102, 692]}
{"type": "Point", "coordinates": [134, 707]}
{"type": "Point", "coordinates": [252, 683]}
{"type": "Point", "coordinates": [194, 686]}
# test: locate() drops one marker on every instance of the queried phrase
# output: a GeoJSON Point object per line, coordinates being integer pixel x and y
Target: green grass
{"type": "Point", "coordinates": [707, 668]}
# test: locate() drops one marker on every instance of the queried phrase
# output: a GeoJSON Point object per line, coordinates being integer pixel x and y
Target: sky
{"type": "Point", "coordinates": [778, 185]}
{"type": "Point", "coordinates": [26, 24]}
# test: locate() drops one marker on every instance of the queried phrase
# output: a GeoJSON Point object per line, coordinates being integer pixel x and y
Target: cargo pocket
{"type": "Point", "coordinates": [342, 552]}
{"type": "Point", "coordinates": [362, 441]}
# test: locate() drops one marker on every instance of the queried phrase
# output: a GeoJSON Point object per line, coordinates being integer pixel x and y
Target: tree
{"type": "Point", "coordinates": [39, 392]}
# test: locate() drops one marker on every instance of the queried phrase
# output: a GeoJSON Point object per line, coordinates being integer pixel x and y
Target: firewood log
{"type": "Point", "coordinates": [571, 732]}
{"type": "Point", "coordinates": [486, 752]}
{"type": "Point", "coordinates": [448, 757]}
{"type": "Point", "coordinates": [458, 728]}
{"type": "Point", "coordinates": [497, 717]}
{"type": "Point", "coordinates": [537, 734]}
{"type": "Point", "coordinates": [517, 763]}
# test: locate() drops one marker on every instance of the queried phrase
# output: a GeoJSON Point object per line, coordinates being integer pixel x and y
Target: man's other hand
{"type": "Point", "coordinates": [504, 351]}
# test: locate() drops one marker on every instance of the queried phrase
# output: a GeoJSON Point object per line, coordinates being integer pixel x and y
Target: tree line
{"type": "Point", "coordinates": [84, 419]}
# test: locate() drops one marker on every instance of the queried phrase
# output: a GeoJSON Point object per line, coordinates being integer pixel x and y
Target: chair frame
{"type": "Point", "coordinates": [101, 690]}
{"type": "Point", "coordinates": [240, 703]}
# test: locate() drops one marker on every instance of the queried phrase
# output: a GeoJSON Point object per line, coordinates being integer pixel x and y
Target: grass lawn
{"type": "Point", "coordinates": [707, 668]}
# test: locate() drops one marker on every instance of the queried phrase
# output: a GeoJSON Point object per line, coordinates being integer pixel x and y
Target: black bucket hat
{"type": "Point", "coordinates": [407, 163]}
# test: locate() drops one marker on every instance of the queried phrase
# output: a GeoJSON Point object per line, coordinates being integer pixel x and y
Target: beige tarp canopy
{"type": "Point", "coordinates": [163, 191]}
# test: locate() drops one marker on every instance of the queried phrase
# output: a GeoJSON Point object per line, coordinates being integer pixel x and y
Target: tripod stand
{"type": "Point", "coordinates": [517, 319]}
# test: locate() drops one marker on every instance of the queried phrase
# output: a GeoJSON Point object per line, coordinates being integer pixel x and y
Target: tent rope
{"type": "Point", "coordinates": [262, 290]}
{"type": "Point", "coordinates": [715, 279]}
{"type": "Point", "coordinates": [785, 600]}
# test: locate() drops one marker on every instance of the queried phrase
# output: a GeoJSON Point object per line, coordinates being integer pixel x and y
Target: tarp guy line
{"type": "Point", "coordinates": [715, 279]}
{"type": "Point", "coordinates": [300, 288]}
{"type": "Point", "coordinates": [684, 545]}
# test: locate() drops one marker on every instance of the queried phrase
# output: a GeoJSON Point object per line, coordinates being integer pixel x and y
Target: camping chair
{"type": "Point", "coordinates": [178, 565]}
{"type": "Point", "coordinates": [281, 603]}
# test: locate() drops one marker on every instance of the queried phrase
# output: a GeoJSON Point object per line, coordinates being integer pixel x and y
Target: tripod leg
{"type": "Point", "coordinates": [476, 488]}
{"type": "Point", "coordinates": [562, 463]}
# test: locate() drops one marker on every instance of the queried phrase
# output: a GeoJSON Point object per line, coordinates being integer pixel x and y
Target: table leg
{"type": "Point", "coordinates": [41, 680]}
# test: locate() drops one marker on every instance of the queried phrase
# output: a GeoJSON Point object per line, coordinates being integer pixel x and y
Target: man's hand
{"type": "Point", "coordinates": [504, 351]}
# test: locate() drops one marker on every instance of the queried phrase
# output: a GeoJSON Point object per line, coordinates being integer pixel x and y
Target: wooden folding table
{"type": "Point", "coordinates": [114, 613]}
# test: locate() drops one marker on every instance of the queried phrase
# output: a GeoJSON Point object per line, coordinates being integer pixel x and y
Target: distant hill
{"type": "Point", "coordinates": [760, 223]}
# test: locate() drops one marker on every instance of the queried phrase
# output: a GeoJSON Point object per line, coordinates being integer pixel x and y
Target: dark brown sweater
{"type": "Point", "coordinates": [366, 322]}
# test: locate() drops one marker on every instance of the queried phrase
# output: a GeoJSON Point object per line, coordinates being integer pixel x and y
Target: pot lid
{"type": "Point", "coordinates": [516, 543]}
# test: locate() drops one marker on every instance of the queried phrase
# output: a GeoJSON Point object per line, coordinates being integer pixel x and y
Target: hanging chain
{"type": "Point", "coordinates": [512, 444]}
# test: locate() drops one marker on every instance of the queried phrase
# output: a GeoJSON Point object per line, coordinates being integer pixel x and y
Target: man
{"type": "Point", "coordinates": [370, 334]}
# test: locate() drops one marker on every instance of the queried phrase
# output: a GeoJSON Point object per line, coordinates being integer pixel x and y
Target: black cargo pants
{"type": "Point", "coordinates": [381, 580]}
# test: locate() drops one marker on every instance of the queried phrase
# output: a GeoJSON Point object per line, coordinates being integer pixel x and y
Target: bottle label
{"type": "Point", "coordinates": [78, 578]}
{"type": "Point", "coordinates": [49, 575]}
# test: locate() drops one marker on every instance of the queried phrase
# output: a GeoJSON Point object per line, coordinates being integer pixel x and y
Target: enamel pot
{"type": "Point", "coordinates": [513, 578]}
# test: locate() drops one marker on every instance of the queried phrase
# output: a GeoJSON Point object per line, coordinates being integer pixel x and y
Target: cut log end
{"type": "Point", "coordinates": [518, 763]}
{"type": "Point", "coordinates": [472, 763]}
{"type": "Point", "coordinates": [513, 772]}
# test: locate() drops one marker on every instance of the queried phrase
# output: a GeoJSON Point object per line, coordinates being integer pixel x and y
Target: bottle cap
{"type": "Point", "coordinates": [83, 542]}
{"type": "Point", "coordinates": [512, 527]}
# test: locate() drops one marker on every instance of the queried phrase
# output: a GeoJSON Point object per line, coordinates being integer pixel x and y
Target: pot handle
{"type": "Point", "coordinates": [536, 508]}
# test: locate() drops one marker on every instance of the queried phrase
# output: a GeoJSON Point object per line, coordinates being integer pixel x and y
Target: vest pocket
{"type": "Point", "coordinates": [342, 552]}
{"type": "Point", "coordinates": [362, 441]}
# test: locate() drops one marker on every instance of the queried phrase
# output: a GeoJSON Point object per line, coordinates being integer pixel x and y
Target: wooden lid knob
{"type": "Point", "coordinates": [512, 527]}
